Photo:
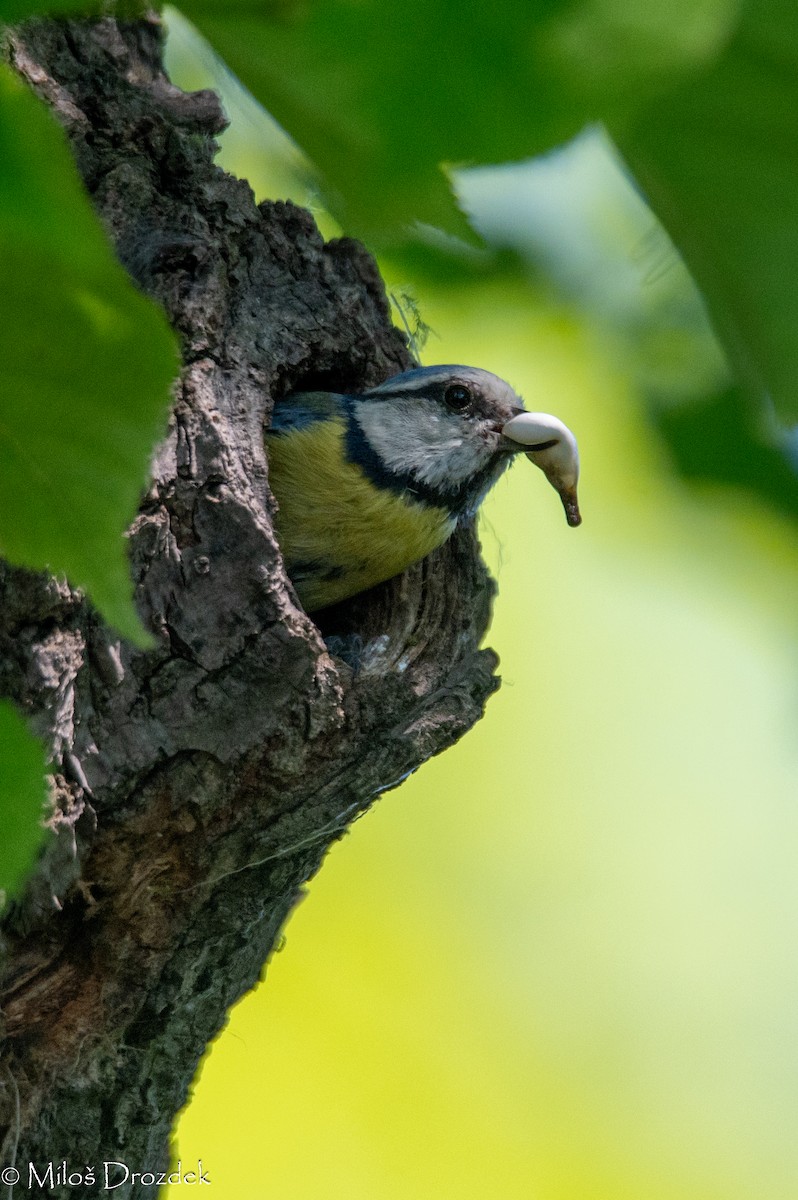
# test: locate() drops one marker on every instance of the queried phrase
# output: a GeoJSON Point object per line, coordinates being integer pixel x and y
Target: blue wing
{"type": "Point", "coordinates": [305, 408]}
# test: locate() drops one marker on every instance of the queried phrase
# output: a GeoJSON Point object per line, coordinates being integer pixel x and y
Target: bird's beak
{"type": "Point", "coordinates": [551, 446]}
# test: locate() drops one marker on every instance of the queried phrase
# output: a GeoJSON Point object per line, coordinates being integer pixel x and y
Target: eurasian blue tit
{"type": "Point", "coordinates": [367, 484]}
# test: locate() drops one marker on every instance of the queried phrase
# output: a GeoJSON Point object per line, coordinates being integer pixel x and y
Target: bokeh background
{"type": "Point", "coordinates": [559, 962]}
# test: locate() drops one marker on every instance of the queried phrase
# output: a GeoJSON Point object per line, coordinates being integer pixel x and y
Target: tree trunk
{"type": "Point", "coordinates": [197, 786]}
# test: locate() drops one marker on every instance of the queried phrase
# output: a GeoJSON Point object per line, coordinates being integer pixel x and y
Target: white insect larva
{"type": "Point", "coordinates": [552, 447]}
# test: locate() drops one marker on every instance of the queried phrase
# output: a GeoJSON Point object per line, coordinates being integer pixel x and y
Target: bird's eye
{"type": "Point", "coordinates": [457, 397]}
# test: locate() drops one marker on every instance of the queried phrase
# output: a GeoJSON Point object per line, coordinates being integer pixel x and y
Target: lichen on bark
{"type": "Point", "coordinates": [197, 786]}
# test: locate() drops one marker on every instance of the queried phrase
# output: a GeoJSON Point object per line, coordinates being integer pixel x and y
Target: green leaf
{"type": "Point", "coordinates": [718, 160]}
{"type": "Point", "coordinates": [22, 796]}
{"type": "Point", "coordinates": [379, 95]}
{"type": "Point", "coordinates": [13, 11]}
{"type": "Point", "coordinates": [87, 363]}
{"type": "Point", "coordinates": [701, 95]}
{"type": "Point", "coordinates": [724, 440]}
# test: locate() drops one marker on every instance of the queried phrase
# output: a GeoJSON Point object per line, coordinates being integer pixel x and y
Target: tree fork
{"type": "Point", "coordinates": [197, 786]}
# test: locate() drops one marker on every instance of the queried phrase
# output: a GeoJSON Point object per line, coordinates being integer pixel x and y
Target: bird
{"type": "Point", "coordinates": [368, 483]}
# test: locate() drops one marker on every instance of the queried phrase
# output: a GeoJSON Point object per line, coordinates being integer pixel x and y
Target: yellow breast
{"type": "Point", "coordinates": [339, 532]}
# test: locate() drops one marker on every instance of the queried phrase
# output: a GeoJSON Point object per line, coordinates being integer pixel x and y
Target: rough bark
{"type": "Point", "coordinates": [197, 786]}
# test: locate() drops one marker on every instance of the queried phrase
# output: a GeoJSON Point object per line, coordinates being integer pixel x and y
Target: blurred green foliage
{"type": "Point", "coordinates": [87, 364]}
{"type": "Point", "coordinates": [717, 158]}
{"type": "Point", "coordinates": [746, 452]}
{"type": "Point", "coordinates": [21, 10]}
{"type": "Point", "coordinates": [14, 11]}
{"type": "Point", "coordinates": [21, 800]}
{"type": "Point", "coordinates": [584, 231]}
{"type": "Point", "coordinates": [380, 95]}
{"type": "Point", "coordinates": [701, 98]}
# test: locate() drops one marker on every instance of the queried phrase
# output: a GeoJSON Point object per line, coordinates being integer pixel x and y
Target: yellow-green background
{"type": "Point", "coordinates": [559, 963]}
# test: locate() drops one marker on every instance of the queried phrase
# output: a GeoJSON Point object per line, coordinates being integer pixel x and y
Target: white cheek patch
{"type": "Point", "coordinates": [411, 437]}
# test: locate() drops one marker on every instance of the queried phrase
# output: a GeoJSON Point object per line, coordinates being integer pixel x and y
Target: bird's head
{"type": "Point", "coordinates": [446, 433]}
